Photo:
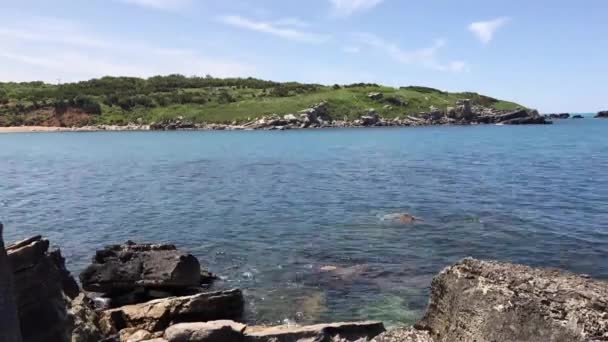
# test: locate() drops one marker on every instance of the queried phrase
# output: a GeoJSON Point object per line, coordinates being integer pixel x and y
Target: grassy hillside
{"type": "Point", "coordinates": [120, 100]}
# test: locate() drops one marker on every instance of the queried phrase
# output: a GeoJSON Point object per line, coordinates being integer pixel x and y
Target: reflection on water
{"type": "Point", "coordinates": [294, 218]}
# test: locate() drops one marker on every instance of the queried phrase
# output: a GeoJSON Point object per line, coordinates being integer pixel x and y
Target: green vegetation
{"type": "Point", "coordinates": [122, 100]}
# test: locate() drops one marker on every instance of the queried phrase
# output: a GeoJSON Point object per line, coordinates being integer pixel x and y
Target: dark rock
{"type": "Point", "coordinates": [578, 116]}
{"type": "Point", "coordinates": [396, 101]}
{"type": "Point", "coordinates": [521, 117]}
{"type": "Point", "coordinates": [602, 114]}
{"type": "Point", "coordinates": [9, 321]}
{"type": "Point", "coordinates": [488, 301]}
{"type": "Point", "coordinates": [157, 315]}
{"type": "Point", "coordinates": [320, 332]}
{"type": "Point", "coordinates": [43, 290]}
{"type": "Point", "coordinates": [85, 320]}
{"type": "Point", "coordinates": [557, 116]}
{"type": "Point", "coordinates": [121, 269]}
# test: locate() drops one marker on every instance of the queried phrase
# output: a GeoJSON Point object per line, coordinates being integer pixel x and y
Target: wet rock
{"type": "Point", "coordinates": [578, 116]}
{"type": "Point", "coordinates": [9, 321]}
{"type": "Point", "coordinates": [400, 218]}
{"type": "Point", "coordinates": [43, 290]}
{"type": "Point", "coordinates": [215, 331]}
{"type": "Point", "coordinates": [158, 314]}
{"type": "Point", "coordinates": [125, 269]}
{"type": "Point", "coordinates": [320, 332]}
{"type": "Point", "coordinates": [489, 301]}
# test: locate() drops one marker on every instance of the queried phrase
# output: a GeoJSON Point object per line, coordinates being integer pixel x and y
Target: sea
{"type": "Point", "coordinates": [301, 220]}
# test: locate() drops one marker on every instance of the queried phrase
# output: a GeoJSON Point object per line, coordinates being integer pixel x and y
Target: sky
{"type": "Point", "coordinates": [547, 54]}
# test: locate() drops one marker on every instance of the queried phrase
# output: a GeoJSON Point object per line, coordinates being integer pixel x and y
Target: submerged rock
{"type": "Point", "coordinates": [400, 218]}
{"type": "Point", "coordinates": [135, 272]}
{"type": "Point", "coordinates": [489, 301]}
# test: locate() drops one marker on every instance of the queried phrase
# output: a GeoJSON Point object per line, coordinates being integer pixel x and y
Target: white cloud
{"type": "Point", "coordinates": [281, 31]}
{"type": "Point", "coordinates": [484, 30]}
{"type": "Point", "coordinates": [426, 57]}
{"type": "Point", "coordinates": [160, 4]}
{"type": "Point", "coordinates": [58, 49]}
{"type": "Point", "coordinates": [345, 8]}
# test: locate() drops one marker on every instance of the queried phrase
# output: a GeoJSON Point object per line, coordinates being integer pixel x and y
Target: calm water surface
{"type": "Point", "coordinates": [268, 210]}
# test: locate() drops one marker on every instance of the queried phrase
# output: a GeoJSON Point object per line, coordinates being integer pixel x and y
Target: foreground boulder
{"type": "Point", "coordinates": [320, 332]}
{"type": "Point", "coordinates": [222, 330]}
{"type": "Point", "coordinates": [488, 301]}
{"type": "Point", "coordinates": [157, 315]}
{"type": "Point", "coordinates": [9, 321]}
{"type": "Point", "coordinates": [43, 290]}
{"type": "Point", "coordinates": [143, 271]}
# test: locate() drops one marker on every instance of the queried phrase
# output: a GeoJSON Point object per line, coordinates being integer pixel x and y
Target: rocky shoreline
{"type": "Point", "coordinates": [317, 116]}
{"type": "Point", "coordinates": [158, 293]}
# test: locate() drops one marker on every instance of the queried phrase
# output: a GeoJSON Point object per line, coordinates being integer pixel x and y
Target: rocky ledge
{"type": "Point", "coordinates": [317, 116]}
{"type": "Point", "coordinates": [602, 114]}
{"type": "Point", "coordinates": [471, 301]}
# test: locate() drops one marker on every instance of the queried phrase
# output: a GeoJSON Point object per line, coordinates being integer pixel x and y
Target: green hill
{"type": "Point", "coordinates": [121, 100]}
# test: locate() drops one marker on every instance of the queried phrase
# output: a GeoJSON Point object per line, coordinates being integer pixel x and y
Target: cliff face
{"type": "Point", "coordinates": [9, 322]}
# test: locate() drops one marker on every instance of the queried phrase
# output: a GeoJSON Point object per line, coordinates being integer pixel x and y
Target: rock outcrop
{"type": "Point", "coordinates": [43, 290]}
{"type": "Point", "coordinates": [602, 114]}
{"type": "Point", "coordinates": [557, 116]}
{"type": "Point", "coordinates": [157, 315]}
{"type": "Point", "coordinates": [9, 320]}
{"type": "Point", "coordinates": [489, 301]}
{"type": "Point", "coordinates": [134, 273]}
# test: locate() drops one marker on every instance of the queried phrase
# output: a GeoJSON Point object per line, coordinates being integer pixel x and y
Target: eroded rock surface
{"type": "Point", "coordinates": [157, 315]}
{"type": "Point", "coordinates": [9, 321]}
{"type": "Point", "coordinates": [489, 301]}
{"type": "Point", "coordinates": [320, 332]}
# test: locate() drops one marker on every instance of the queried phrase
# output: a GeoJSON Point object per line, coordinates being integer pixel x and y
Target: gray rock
{"type": "Point", "coordinates": [121, 269]}
{"type": "Point", "coordinates": [215, 331]}
{"type": "Point", "coordinates": [9, 322]}
{"type": "Point", "coordinates": [43, 290]}
{"type": "Point", "coordinates": [404, 335]}
{"type": "Point", "coordinates": [375, 96]}
{"type": "Point", "coordinates": [488, 301]}
{"type": "Point", "coordinates": [85, 320]}
{"type": "Point", "coordinates": [157, 315]}
{"type": "Point", "coordinates": [320, 332]}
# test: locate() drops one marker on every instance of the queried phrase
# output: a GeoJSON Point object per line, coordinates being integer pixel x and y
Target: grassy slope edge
{"type": "Point", "coordinates": [122, 100]}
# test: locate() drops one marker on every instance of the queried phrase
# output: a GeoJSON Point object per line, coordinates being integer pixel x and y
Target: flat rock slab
{"type": "Point", "coordinates": [157, 315]}
{"type": "Point", "coordinates": [120, 269]}
{"type": "Point", "coordinates": [216, 331]}
{"type": "Point", "coordinates": [489, 301]}
{"type": "Point", "coordinates": [319, 332]}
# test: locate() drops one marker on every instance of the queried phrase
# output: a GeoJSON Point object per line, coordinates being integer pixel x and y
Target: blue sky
{"type": "Point", "coordinates": [551, 55]}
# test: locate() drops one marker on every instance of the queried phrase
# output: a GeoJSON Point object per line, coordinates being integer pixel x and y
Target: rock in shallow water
{"type": "Point", "coordinates": [125, 269]}
{"type": "Point", "coordinates": [9, 322]}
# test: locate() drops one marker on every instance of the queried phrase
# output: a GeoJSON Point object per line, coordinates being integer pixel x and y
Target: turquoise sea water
{"type": "Point", "coordinates": [269, 211]}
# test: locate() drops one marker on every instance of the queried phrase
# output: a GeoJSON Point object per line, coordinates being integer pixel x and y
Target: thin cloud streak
{"type": "Point", "coordinates": [271, 28]}
{"type": "Point", "coordinates": [426, 57]}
